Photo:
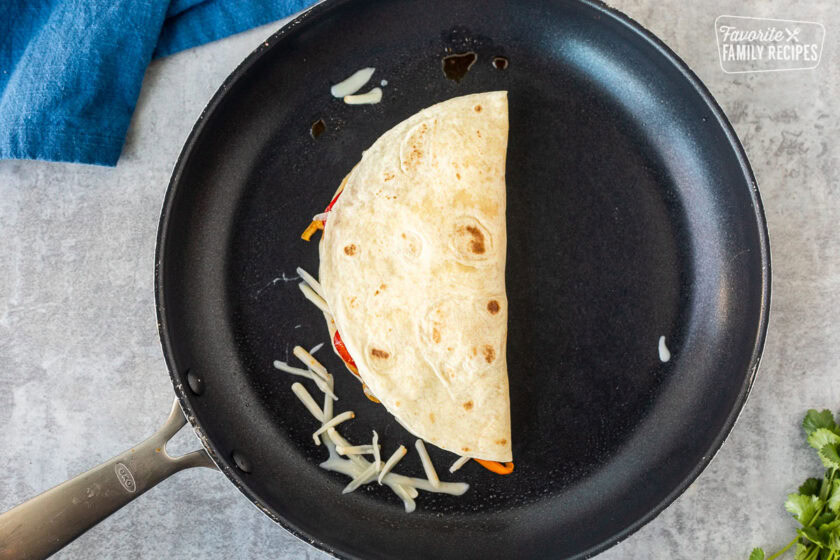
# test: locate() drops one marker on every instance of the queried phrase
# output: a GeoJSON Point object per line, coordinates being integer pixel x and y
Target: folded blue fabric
{"type": "Point", "coordinates": [70, 70]}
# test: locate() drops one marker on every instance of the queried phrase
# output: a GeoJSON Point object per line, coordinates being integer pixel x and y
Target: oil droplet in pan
{"type": "Point", "coordinates": [456, 66]}
{"type": "Point", "coordinates": [500, 62]}
{"type": "Point", "coordinates": [317, 128]}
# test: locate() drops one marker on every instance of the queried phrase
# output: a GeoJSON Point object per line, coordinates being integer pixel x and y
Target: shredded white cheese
{"type": "Point", "coordinates": [377, 460]}
{"type": "Point", "coordinates": [314, 298]}
{"type": "Point", "coordinates": [310, 362]}
{"type": "Point", "coordinates": [392, 461]}
{"type": "Point", "coordinates": [458, 464]}
{"type": "Point", "coordinates": [367, 475]}
{"type": "Point", "coordinates": [354, 465]}
{"type": "Point", "coordinates": [316, 348]}
{"type": "Point", "coordinates": [354, 449]}
{"type": "Point", "coordinates": [308, 401]}
{"type": "Point", "coordinates": [336, 464]}
{"type": "Point", "coordinates": [405, 495]}
{"type": "Point", "coordinates": [324, 386]}
{"type": "Point", "coordinates": [370, 98]}
{"type": "Point", "coordinates": [309, 279]}
{"type": "Point", "coordinates": [283, 366]}
{"type": "Point", "coordinates": [352, 84]}
{"type": "Point", "coordinates": [431, 474]}
{"type": "Point", "coordinates": [328, 404]}
{"type": "Point", "coordinates": [331, 423]}
{"type": "Point", "coordinates": [454, 488]}
{"type": "Point", "coordinates": [337, 440]}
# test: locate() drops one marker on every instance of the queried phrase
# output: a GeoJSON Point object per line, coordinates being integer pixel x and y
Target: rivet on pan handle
{"type": "Point", "coordinates": [46, 523]}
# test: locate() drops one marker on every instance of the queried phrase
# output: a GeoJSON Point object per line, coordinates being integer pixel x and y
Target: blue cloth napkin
{"type": "Point", "coordinates": [70, 70]}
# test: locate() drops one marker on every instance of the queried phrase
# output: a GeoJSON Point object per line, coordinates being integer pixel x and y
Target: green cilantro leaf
{"type": "Point", "coordinates": [826, 532]}
{"type": "Point", "coordinates": [821, 437]}
{"type": "Point", "coordinates": [810, 487]}
{"type": "Point", "coordinates": [834, 497]}
{"type": "Point", "coordinates": [802, 552]}
{"type": "Point", "coordinates": [817, 505]}
{"type": "Point", "coordinates": [829, 456]}
{"type": "Point", "coordinates": [811, 534]}
{"type": "Point", "coordinates": [824, 520]}
{"type": "Point", "coordinates": [757, 554]}
{"type": "Point", "coordinates": [828, 526]}
{"type": "Point", "coordinates": [834, 539]}
{"type": "Point", "coordinates": [803, 508]}
{"type": "Point", "coordinates": [825, 529]}
{"type": "Point", "coordinates": [815, 420]}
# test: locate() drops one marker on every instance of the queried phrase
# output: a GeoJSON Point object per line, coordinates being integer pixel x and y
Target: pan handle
{"type": "Point", "coordinates": [48, 522]}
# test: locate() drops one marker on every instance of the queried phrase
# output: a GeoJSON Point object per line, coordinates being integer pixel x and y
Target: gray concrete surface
{"type": "Point", "coordinates": [81, 370]}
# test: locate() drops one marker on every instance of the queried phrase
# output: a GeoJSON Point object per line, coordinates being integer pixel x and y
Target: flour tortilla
{"type": "Point", "coordinates": [413, 271]}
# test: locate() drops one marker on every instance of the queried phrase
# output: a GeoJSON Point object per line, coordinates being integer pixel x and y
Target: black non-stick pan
{"type": "Point", "coordinates": [632, 214]}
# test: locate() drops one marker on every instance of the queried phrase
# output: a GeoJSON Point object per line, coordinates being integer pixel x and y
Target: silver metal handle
{"type": "Point", "coordinates": [46, 523]}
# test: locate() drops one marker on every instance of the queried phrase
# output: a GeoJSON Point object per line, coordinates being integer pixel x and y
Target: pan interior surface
{"type": "Point", "coordinates": [632, 214]}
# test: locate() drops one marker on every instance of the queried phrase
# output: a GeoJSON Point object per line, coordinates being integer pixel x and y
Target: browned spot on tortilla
{"type": "Point", "coordinates": [377, 353]}
{"type": "Point", "coordinates": [493, 306]}
{"type": "Point", "coordinates": [350, 249]}
{"type": "Point", "coordinates": [396, 403]}
{"type": "Point", "coordinates": [477, 108]}
{"type": "Point", "coordinates": [477, 243]}
{"type": "Point", "coordinates": [501, 441]}
{"type": "Point", "coordinates": [474, 351]}
{"type": "Point", "coordinates": [489, 354]}
{"type": "Point", "coordinates": [403, 235]}
{"type": "Point", "coordinates": [458, 176]}
{"type": "Point", "coordinates": [449, 349]}
{"type": "Point", "coordinates": [468, 405]}
{"type": "Point", "coordinates": [382, 286]}
{"type": "Point", "coordinates": [436, 335]}
{"type": "Point", "coordinates": [415, 155]}
{"type": "Point", "coordinates": [467, 449]}
{"type": "Point", "coordinates": [478, 132]}
{"type": "Point", "coordinates": [387, 176]}
{"type": "Point", "coordinates": [432, 417]}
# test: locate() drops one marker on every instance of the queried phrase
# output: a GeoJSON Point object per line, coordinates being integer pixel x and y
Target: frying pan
{"type": "Point", "coordinates": [632, 214]}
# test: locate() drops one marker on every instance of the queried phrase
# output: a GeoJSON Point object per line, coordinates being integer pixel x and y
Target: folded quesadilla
{"type": "Point", "coordinates": [412, 274]}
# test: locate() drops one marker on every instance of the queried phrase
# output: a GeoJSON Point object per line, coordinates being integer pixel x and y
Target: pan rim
{"type": "Point", "coordinates": [225, 465]}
